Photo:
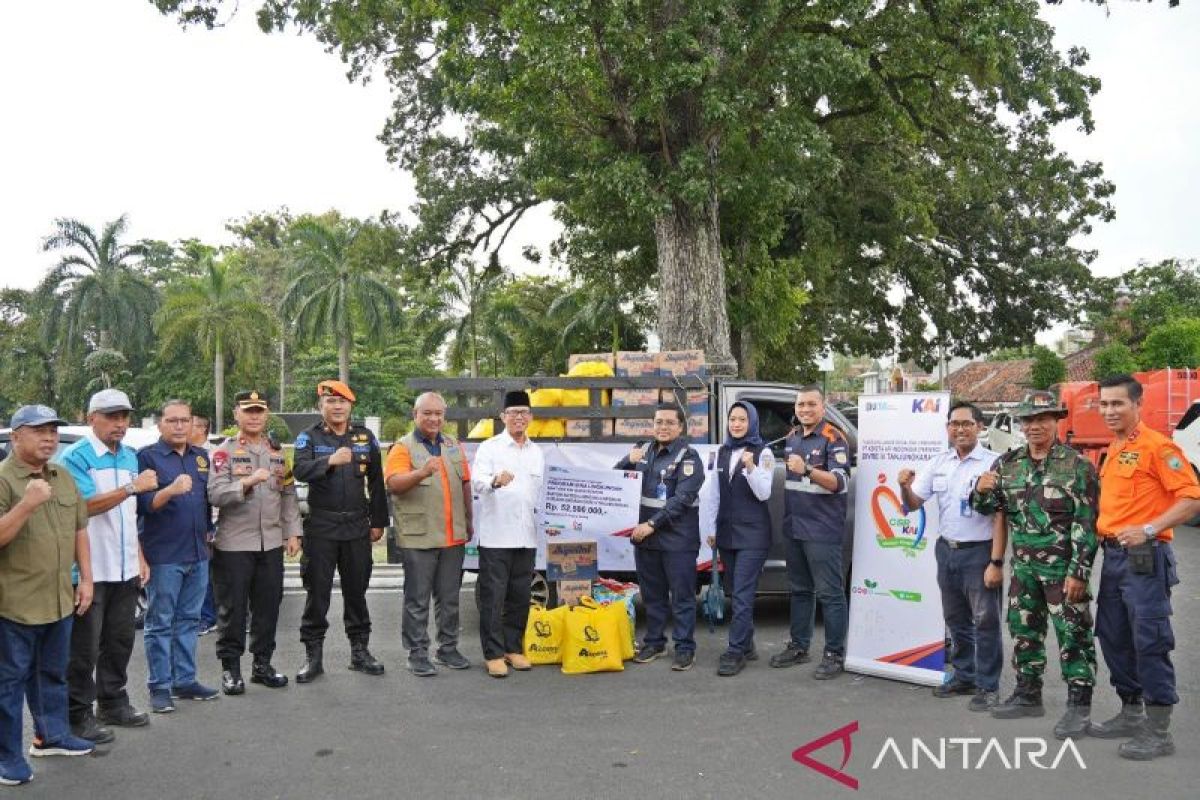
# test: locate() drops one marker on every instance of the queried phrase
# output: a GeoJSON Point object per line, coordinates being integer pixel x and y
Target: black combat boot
{"type": "Point", "coordinates": [361, 659]}
{"type": "Point", "coordinates": [1125, 723]}
{"type": "Point", "coordinates": [262, 672]}
{"type": "Point", "coordinates": [1025, 701]}
{"type": "Point", "coordinates": [1152, 739]}
{"type": "Point", "coordinates": [1074, 723]}
{"type": "Point", "coordinates": [312, 662]}
{"type": "Point", "coordinates": [231, 676]}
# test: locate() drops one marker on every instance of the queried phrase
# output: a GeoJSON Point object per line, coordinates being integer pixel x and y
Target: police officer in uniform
{"type": "Point", "coordinates": [818, 464]}
{"type": "Point", "coordinates": [743, 471]}
{"type": "Point", "coordinates": [667, 537]}
{"type": "Point", "coordinates": [253, 490]}
{"type": "Point", "coordinates": [339, 461]}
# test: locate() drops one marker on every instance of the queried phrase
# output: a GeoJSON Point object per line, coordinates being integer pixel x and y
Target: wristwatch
{"type": "Point", "coordinates": [807, 469]}
{"type": "Point", "coordinates": [997, 562]}
{"type": "Point", "coordinates": [1150, 532]}
{"type": "Point", "coordinates": [130, 489]}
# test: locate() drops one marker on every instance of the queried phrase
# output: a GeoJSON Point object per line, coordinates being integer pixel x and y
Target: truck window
{"type": "Point", "coordinates": [774, 421]}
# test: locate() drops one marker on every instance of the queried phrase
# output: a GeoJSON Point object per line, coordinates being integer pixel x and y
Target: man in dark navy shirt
{"type": "Point", "coordinates": [667, 538]}
{"type": "Point", "coordinates": [818, 472]}
{"type": "Point", "coordinates": [347, 513]}
{"type": "Point", "coordinates": [176, 524]}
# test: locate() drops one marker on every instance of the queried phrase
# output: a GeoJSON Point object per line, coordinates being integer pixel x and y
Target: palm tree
{"type": "Point", "coordinates": [331, 292]}
{"type": "Point", "coordinates": [587, 308]}
{"type": "Point", "coordinates": [467, 311]}
{"type": "Point", "coordinates": [98, 287]}
{"type": "Point", "coordinates": [219, 314]}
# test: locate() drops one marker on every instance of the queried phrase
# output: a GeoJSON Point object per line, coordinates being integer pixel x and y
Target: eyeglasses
{"type": "Point", "coordinates": [518, 412]}
{"type": "Point", "coordinates": [958, 423]}
{"type": "Point", "coordinates": [177, 421]}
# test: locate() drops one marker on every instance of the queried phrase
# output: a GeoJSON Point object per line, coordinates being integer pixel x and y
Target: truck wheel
{"type": "Point", "coordinates": [542, 591]}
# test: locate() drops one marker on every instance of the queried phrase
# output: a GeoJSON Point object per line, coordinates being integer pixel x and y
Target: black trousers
{"type": "Point", "coordinates": [352, 559]}
{"type": "Point", "coordinates": [247, 580]}
{"type": "Point", "coordinates": [101, 643]}
{"type": "Point", "coordinates": [505, 574]}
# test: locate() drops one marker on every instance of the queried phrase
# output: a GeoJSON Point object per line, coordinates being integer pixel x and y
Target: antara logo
{"type": "Point", "coordinates": [974, 753]}
{"type": "Point", "coordinates": [927, 405]}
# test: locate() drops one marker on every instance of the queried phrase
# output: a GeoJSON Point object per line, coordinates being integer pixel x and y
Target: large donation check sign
{"type": "Point", "coordinates": [600, 505]}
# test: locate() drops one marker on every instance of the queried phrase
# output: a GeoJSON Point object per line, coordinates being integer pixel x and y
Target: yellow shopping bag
{"type": "Point", "coordinates": [620, 616]}
{"type": "Point", "coordinates": [593, 642]}
{"type": "Point", "coordinates": [544, 633]}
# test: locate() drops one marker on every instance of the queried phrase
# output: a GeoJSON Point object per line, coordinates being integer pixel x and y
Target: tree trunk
{"type": "Point", "coordinates": [344, 359]}
{"type": "Point", "coordinates": [691, 285]}
{"type": "Point", "coordinates": [747, 354]}
{"type": "Point", "coordinates": [218, 389]}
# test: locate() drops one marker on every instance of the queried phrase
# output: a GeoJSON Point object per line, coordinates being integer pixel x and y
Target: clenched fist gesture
{"type": "Point", "coordinates": [987, 482]}
{"type": "Point", "coordinates": [181, 485]}
{"type": "Point", "coordinates": [503, 479]}
{"type": "Point", "coordinates": [636, 455]}
{"type": "Point", "coordinates": [342, 455]}
{"type": "Point", "coordinates": [906, 478]}
{"type": "Point", "coordinates": [147, 480]}
{"type": "Point", "coordinates": [37, 491]}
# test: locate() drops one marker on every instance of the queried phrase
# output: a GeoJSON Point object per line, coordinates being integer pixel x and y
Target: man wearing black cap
{"type": "Point", "coordinates": [507, 477]}
{"type": "Point", "coordinates": [252, 488]}
{"type": "Point", "coordinates": [348, 511]}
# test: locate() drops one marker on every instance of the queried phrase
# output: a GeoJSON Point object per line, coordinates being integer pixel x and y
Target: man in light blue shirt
{"type": "Point", "coordinates": [970, 558]}
{"type": "Point", "coordinates": [106, 472]}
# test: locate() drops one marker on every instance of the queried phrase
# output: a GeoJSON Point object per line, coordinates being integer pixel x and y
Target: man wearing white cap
{"type": "Point", "coordinates": [106, 472]}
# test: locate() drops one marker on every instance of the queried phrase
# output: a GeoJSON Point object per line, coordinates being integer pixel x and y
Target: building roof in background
{"type": "Point", "coordinates": [992, 382]}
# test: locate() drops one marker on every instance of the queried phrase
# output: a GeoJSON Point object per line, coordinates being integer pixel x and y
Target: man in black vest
{"type": "Point", "coordinates": [667, 538]}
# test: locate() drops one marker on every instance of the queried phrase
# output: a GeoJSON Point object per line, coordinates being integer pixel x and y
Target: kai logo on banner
{"type": "Point", "coordinates": [895, 526]}
{"type": "Point", "coordinates": [968, 753]}
{"type": "Point", "coordinates": [927, 405]}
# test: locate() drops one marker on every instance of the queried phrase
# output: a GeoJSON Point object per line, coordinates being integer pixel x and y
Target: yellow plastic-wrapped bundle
{"type": "Point", "coordinates": [481, 430]}
{"type": "Point", "coordinates": [548, 428]}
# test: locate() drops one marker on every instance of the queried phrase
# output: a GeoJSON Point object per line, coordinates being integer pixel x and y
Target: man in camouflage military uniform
{"type": "Point", "coordinates": [1047, 495]}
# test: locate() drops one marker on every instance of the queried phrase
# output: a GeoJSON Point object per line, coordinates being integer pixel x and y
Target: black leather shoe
{"type": "Point", "coordinates": [831, 666]}
{"type": "Point", "coordinates": [362, 661]}
{"type": "Point", "coordinates": [125, 716]}
{"type": "Point", "coordinates": [418, 664]}
{"type": "Point", "coordinates": [231, 679]}
{"type": "Point", "coordinates": [730, 664]}
{"type": "Point", "coordinates": [683, 660]}
{"type": "Point", "coordinates": [262, 672]}
{"type": "Point", "coordinates": [790, 657]}
{"type": "Point", "coordinates": [88, 728]}
{"type": "Point", "coordinates": [954, 687]}
{"type": "Point", "coordinates": [313, 665]}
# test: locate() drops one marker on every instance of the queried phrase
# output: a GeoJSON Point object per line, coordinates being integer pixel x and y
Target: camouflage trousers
{"type": "Point", "coordinates": [1034, 596]}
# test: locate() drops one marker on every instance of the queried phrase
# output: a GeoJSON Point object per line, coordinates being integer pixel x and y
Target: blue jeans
{"type": "Point", "coordinates": [972, 613]}
{"type": "Point", "coordinates": [1133, 624]}
{"type": "Point", "coordinates": [667, 580]}
{"type": "Point", "coordinates": [815, 574]}
{"type": "Point", "coordinates": [175, 594]}
{"type": "Point", "coordinates": [33, 667]}
{"type": "Point", "coordinates": [208, 611]}
{"type": "Point", "coordinates": [742, 569]}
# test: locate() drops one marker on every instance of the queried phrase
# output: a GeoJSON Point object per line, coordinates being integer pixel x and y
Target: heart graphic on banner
{"type": "Point", "coordinates": [895, 528]}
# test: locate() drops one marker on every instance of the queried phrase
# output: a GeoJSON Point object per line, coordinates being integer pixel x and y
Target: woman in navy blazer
{"type": "Point", "coordinates": [737, 509]}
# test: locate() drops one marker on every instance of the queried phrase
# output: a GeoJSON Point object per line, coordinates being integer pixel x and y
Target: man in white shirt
{"type": "Point", "coordinates": [970, 558]}
{"type": "Point", "coordinates": [507, 478]}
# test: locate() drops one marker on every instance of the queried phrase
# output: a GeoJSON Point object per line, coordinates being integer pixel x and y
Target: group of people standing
{"type": "Point", "coordinates": [78, 541]}
{"type": "Point", "coordinates": [1047, 501]}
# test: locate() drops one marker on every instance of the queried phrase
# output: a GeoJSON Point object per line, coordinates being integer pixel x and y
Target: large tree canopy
{"type": "Point", "coordinates": [888, 165]}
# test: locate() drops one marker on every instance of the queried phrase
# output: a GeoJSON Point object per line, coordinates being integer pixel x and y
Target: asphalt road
{"type": "Point", "coordinates": [646, 732]}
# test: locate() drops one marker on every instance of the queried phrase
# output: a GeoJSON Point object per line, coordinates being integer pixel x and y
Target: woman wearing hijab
{"type": "Point", "coordinates": [737, 509]}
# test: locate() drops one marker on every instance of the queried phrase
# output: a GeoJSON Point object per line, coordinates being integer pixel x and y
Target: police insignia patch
{"type": "Point", "coordinates": [840, 458]}
{"type": "Point", "coordinates": [220, 459]}
{"type": "Point", "coordinates": [688, 469]}
{"type": "Point", "coordinates": [202, 463]}
{"type": "Point", "coordinates": [302, 440]}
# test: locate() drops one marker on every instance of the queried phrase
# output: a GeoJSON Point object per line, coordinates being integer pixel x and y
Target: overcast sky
{"type": "Point", "coordinates": [111, 108]}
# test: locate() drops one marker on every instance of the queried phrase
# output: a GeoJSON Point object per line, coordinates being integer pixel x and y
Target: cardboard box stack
{"type": "Point", "coordinates": [633, 365]}
{"type": "Point", "coordinates": [582, 428]}
{"type": "Point", "coordinates": [688, 362]}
